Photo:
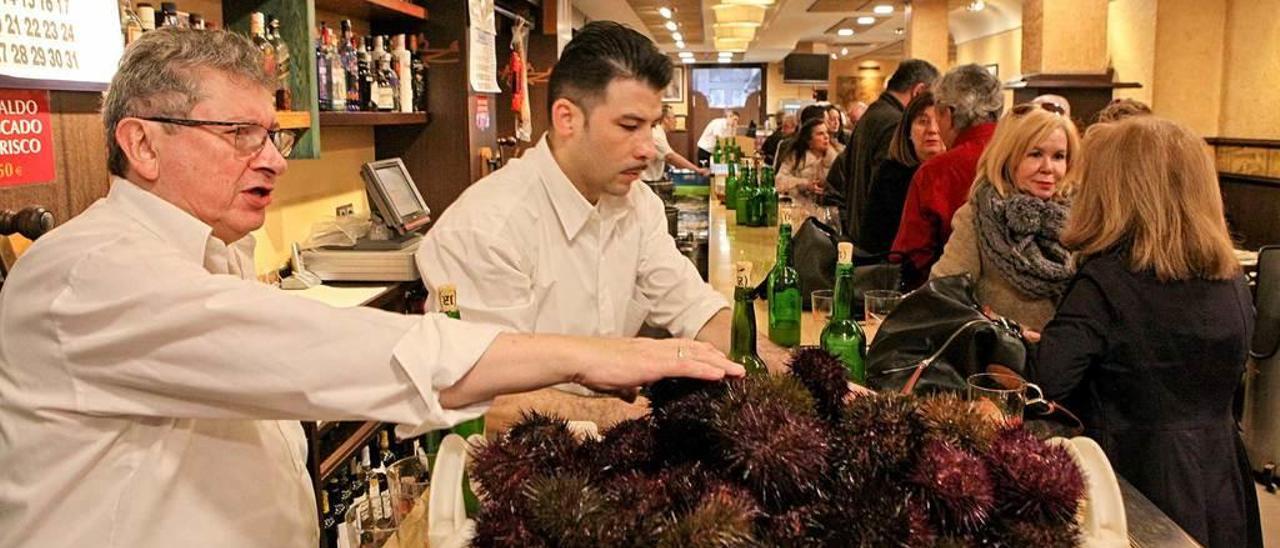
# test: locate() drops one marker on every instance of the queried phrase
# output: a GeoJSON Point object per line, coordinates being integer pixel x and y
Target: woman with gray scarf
{"type": "Point", "coordinates": [1007, 236]}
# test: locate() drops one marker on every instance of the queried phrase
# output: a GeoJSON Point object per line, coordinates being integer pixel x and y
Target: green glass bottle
{"type": "Point", "coordinates": [843, 337]}
{"type": "Point", "coordinates": [447, 296]}
{"type": "Point", "coordinates": [731, 188]}
{"type": "Point", "coordinates": [717, 156]}
{"type": "Point", "coordinates": [784, 294]}
{"type": "Point", "coordinates": [742, 334]}
{"type": "Point", "coordinates": [771, 197]}
{"type": "Point", "coordinates": [745, 191]}
{"type": "Point", "coordinates": [759, 201]}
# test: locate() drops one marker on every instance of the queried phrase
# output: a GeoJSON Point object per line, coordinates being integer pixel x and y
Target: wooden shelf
{"type": "Point", "coordinates": [373, 118]}
{"type": "Point", "coordinates": [293, 119]}
{"type": "Point", "coordinates": [375, 10]}
{"type": "Point", "coordinates": [347, 448]}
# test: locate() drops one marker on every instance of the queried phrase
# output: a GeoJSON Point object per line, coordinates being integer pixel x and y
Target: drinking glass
{"type": "Point", "coordinates": [878, 304]}
{"type": "Point", "coordinates": [373, 527]}
{"type": "Point", "coordinates": [1002, 396]}
{"type": "Point", "coordinates": [822, 302]}
{"type": "Point", "coordinates": [409, 476]}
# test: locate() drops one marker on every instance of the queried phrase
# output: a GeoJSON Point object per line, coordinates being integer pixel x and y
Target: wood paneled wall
{"type": "Point", "coordinates": [80, 156]}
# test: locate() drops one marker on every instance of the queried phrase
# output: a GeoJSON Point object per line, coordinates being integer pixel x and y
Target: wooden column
{"type": "Point", "coordinates": [927, 32]}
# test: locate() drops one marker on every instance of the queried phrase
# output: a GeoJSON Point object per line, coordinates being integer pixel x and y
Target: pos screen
{"type": "Point", "coordinates": [395, 195]}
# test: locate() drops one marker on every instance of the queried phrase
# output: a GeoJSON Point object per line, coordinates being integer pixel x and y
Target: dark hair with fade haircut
{"type": "Point", "coordinates": [604, 51]}
{"type": "Point", "coordinates": [912, 72]}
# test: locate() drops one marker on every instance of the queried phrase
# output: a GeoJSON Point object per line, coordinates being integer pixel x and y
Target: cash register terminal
{"type": "Point", "coordinates": [399, 215]}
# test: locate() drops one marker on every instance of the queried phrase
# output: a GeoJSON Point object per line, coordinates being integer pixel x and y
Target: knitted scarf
{"type": "Point", "coordinates": [1019, 235]}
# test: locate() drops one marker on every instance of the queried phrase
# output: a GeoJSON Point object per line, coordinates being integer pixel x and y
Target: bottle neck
{"type": "Point", "coordinates": [743, 332]}
{"type": "Point", "coordinates": [843, 296]}
{"type": "Point", "coordinates": [784, 244]}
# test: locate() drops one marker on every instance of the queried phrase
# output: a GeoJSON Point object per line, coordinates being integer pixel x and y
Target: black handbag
{"type": "Point", "coordinates": [814, 258]}
{"type": "Point", "coordinates": [937, 337]}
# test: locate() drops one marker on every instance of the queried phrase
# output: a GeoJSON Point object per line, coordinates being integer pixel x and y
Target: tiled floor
{"type": "Point", "coordinates": [1269, 508]}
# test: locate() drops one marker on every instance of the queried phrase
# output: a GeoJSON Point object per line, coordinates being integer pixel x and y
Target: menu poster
{"type": "Point", "coordinates": [483, 34]}
{"type": "Point", "coordinates": [72, 41]}
{"type": "Point", "coordinates": [26, 137]}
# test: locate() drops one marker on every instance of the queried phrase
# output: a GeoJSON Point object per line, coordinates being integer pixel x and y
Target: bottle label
{"type": "Point", "coordinates": [845, 252]}
{"type": "Point", "coordinates": [448, 298]}
{"type": "Point", "coordinates": [742, 273]}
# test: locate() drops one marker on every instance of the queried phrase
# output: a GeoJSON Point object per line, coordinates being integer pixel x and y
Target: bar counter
{"type": "Point", "coordinates": [728, 243]}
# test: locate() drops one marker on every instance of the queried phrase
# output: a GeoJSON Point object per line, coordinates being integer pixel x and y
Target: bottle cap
{"type": "Point", "coordinates": [845, 250]}
{"type": "Point", "coordinates": [742, 273]}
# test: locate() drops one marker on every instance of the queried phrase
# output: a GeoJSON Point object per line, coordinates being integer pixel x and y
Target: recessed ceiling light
{"type": "Point", "coordinates": [976, 5]}
{"type": "Point", "coordinates": [725, 60]}
{"type": "Point", "coordinates": [687, 59]}
{"type": "Point", "coordinates": [677, 37]}
{"type": "Point", "coordinates": [680, 44]}
{"type": "Point", "coordinates": [844, 51]}
{"type": "Point", "coordinates": [726, 54]}
{"type": "Point", "coordinates": [833, 56]}
{"type": "Point", "coordinates": [665, 12]}
{"type": "Point", "coordinates": [671, 25]}
{"type": "Point", "coordinates": [686, 54]}
{"type": "Point", "coordinates": [883, 9]}
{"type": "Point", "coordinates": [845, 32]}
{"type": "Point", "coordinates": [866, 20]}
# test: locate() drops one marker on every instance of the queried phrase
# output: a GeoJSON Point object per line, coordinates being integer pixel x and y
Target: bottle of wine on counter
{"type": "Point", "coordinates": [717, 155]}
{"type": "Point", "coordinates": [784, 294]}
{"type": "Point", "coordinates": [842, 337]}
{"type": "Point", "coordinates": [758, 203]}
{"type": "Point", "coordinates": [731, 188]}
{"type": "Point", "coordinates": [742, 204]}
{"type": "Point", "coordinates": [771, 197]}
{"type": "Point", "coordinates": [742, 333]}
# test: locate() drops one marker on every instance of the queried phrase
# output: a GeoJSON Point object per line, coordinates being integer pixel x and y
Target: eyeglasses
{"type": "Point", "coordinates": [249, 137]}
{"type": "Point", "coordinates": [1024, 108]}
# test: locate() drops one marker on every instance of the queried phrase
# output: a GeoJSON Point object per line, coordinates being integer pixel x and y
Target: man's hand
{"type": "Point", "coordinates": [775, 356]}
{"type": "Point", "coordinates": [623, 365]}
{"type": "Point", "coordinates": [702, 171]}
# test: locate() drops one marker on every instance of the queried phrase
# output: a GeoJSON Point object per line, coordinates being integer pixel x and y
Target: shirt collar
{"type": "Point", "coordinates": [189, 235]}
{"type": "Point", "coordinates": [571, 207]}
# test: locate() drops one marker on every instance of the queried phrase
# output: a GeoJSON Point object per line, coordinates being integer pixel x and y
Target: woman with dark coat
{"type": "Point", "coordinates": [1150, 339]}
{"type": "Point", "coordinates": [915, 141]}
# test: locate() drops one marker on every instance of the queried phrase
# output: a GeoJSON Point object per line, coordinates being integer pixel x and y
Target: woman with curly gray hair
{"type": "Point", "coordinates": [1006, 237]}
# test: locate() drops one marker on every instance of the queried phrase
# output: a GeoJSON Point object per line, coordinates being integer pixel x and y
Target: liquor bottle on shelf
{"type": "Point", "coordinates": [337, 75]}
{"type": "Point", "coordinates": [418, 68]}
{"type": "Point", "coordinates": [742, 332]}
{"type": "Point", "coordinates": [328, 521]}
{"type": "Point", "coordinates": [147, 17]}
{"type": "Point", "coordinates": [843, 337]}
{"type": "Point", "coordinates": [368, 68]}
{"type": "Point", "coordinates": [284, 93]}
{"type": "Point", "coordinates": [402, 62]}
{"type": "Point", "coordinates": [385, 454]}
{"type": "Point", "coordinates": [167, 16]}
{"type": "Point", "coordinates": [130, 24]}
{"type": "Point", "coordinates": [784, 294]}
{"type": "Point", "coordinates": [324, 90]}
{"type": "Point", "coordinates": [349, 60]}
{"type": "Point", "coordinates": [388, 86]}
{"type": "Point", "coordinates": [257, 31]}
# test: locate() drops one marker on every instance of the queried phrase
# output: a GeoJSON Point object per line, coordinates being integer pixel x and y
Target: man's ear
{"type": "Point", "coordinates": [567, 118]}
{"type": "Point", "coordinates": [136, 140]}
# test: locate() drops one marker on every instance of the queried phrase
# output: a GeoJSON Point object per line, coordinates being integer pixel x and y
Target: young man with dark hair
{"type": "Point", "coordinates": [852, 173]}
{"type": "Point", "coordinates": [564, 239]}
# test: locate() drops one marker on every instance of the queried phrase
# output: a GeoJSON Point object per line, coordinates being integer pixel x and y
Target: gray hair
{"type": "Point", "coordinates": [973, 95]}
{"type": "Point", "coordinates": [159, 76]}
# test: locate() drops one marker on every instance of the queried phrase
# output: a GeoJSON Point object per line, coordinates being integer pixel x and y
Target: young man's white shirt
{"type": "Point", "coordinates": [657, 169]}
{"type": "Point", "coordinates": [716, 129]}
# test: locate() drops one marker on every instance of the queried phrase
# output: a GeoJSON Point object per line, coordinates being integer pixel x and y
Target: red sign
{"type": "Point", "coordinates": [26, 137]}
{"type": "Point", "coordinates": [482, 112]}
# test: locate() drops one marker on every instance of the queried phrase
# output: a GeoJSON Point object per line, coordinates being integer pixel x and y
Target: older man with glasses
{"type": "Point", "coordinates": [151, 388]}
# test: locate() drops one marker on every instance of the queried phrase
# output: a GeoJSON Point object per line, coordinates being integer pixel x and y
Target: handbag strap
{"type": "Point", "coordinates": [928, 362]}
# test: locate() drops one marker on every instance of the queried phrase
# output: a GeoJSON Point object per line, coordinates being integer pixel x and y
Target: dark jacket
{"type": "Point", "coordinates": [852, 180]}
{"type": "Point", "coordinates": [770, 146]}
{"type": "Point", "coordinates": [1151, 368]}
{"type": "Point", "coordinates": [888, 191]}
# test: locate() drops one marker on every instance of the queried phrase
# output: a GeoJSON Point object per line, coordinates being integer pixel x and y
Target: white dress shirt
{"type": "Point", "coordinates": [716, 129]}
{"type": "Point", "coordinates": [150, 388]}
{"type": "Point", "coordinates": [657, 169]}
{"type": "Point", "coordinates": [526, 250]}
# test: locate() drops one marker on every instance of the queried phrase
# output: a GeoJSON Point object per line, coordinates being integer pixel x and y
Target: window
{"type": "Point", "coordinates": [727, 87]}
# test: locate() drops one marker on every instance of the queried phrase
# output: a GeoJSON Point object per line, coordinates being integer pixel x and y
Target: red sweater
{"type": "Point", "coordinates": [937, 190]}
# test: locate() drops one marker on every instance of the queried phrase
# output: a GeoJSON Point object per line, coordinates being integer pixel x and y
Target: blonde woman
{"type": "Point", "coordinates": [1006, 236]}
{"type": "Point", "coordinates": [1150, 341]}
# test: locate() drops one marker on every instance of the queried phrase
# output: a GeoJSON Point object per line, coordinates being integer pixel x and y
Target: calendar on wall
{"type": "Point", "coordinates": [59, 44]}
